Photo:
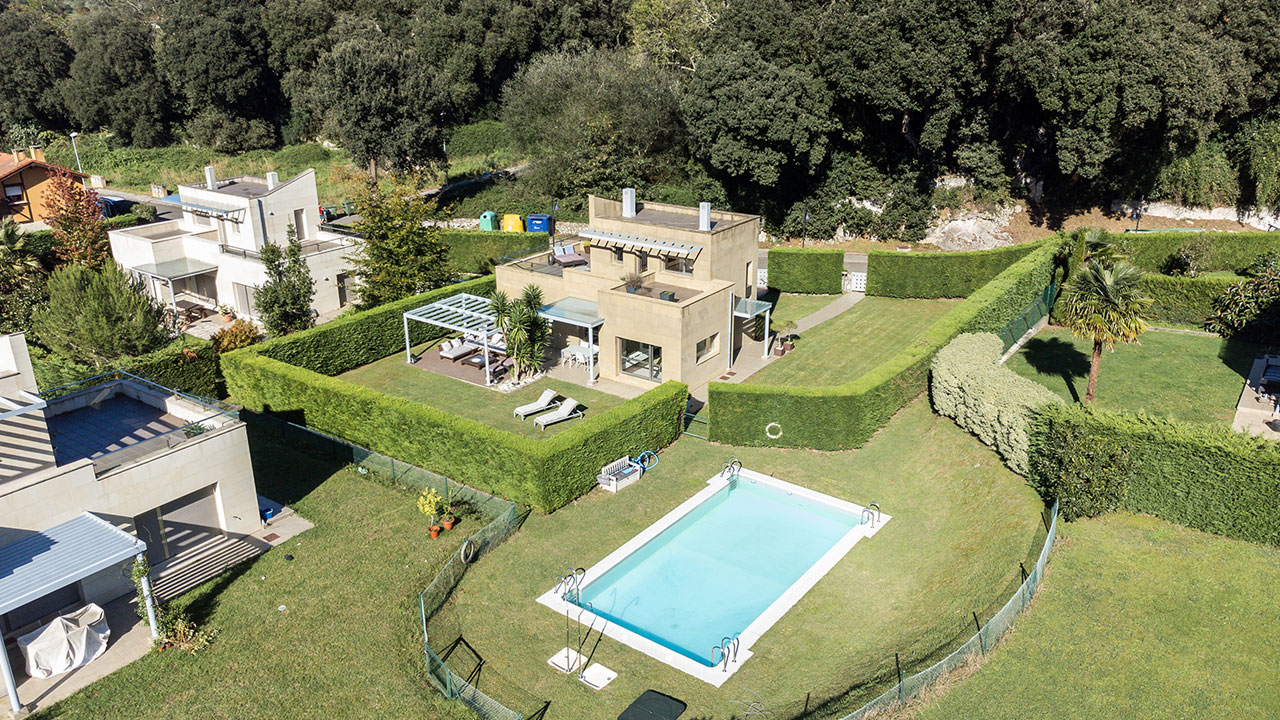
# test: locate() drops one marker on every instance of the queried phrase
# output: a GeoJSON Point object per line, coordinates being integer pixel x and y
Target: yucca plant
{"type": "Point", "coordinates": [1104, 303]}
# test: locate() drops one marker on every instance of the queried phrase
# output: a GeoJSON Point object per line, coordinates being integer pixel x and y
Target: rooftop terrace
{"type": "Point", "coordinates": [114, 424]}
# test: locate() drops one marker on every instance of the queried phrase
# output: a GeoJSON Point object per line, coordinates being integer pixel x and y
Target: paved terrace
{"type": "Point", "coordinates": [113, 424]}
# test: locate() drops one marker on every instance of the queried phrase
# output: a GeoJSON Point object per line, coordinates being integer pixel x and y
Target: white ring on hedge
{"type": "Point", "coordinates": [770, 434]}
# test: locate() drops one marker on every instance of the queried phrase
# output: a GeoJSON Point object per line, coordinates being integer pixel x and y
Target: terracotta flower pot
{"type": "Point", "coordinates": [789, 346]}
{"type": "Point", "coordinates": [779, 351]}
{"type": "Point", "coordinates": [448, 524]}
{"type": "Point", "coordinates": [435, 531]}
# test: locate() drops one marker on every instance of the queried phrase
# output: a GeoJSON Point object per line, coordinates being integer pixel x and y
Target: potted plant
{"type": "Point", "coordinates": [788, 329]}
{"type": "Point", "coordinates": [429, 505]}
{"type": "Point", "coordinates": [449, 519]}
{"type": "Point", "coordinates": [227, 313]}
{"type": "Point", "coordinates": [634, 282]}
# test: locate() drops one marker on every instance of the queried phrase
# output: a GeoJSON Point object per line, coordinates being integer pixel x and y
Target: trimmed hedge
{"type": "Point", "coordinates": [1181, 299]}
{"type": "Point", "coordinates": [1202, 476]}
{"type": "Point", "coordinates": [1228, 251]}
{"type": "Point", "coordinates": [477, 251]}
{"type": "Point", "coordinates": [545, 474]}
{"type": "Point", "coordinates": [806, 270]}
{"type": "Point", "coordinates": [970, 386]}
{"type": "Point", "coordinates": [188, 364]}
{"type": "Point", "coordinates": [350, 341]}
{"type": "Point", "coordinates": [938, 275]}
{"type": "Point", "coordinates": [844, 416]}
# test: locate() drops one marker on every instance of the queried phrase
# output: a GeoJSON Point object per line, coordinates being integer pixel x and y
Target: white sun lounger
{"type": "Point", "coordinates": [568, 409]}
{"type": "Point", "coordinates": [456, 349]}
{"type": "Point", "coordinates": [545, 402]}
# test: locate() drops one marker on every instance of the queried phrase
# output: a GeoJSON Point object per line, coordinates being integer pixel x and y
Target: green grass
{"type": "Point", "coordinates": [793, 306]}
{"type": "Point", "coordinates": [1193, 378]}
{"type": "Point", "coordinates": [853, 342]}
{"type": "Point", "coordinates": [961, 524]}
{"type": "Point", "coordinates": [349, 643]}
{"type": "Point", "coordinates": [1137, 618]}
{"type": "Point", "coordinates": [392, 376]}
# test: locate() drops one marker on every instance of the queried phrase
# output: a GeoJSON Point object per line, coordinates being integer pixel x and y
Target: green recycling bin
{"type": "Point", "coordinates": [489, 221]}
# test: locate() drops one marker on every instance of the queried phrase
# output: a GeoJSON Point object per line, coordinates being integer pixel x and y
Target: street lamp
{"type": "Point", "coordinates": [1137, 212]}
{"type": "Point", "coordinates": [74, 135]}
{"type": "Point", "coordinates": [805, 224]}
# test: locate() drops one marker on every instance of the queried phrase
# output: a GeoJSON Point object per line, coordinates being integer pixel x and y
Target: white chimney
{"type": "Point", "coordinates": [628, 202]}
{"type": "Point", "coordinates": [210, 178]}
{"type": "Point", "coordinates": [704, 217]}
{"type": "Point", "coordinates": [273, 179]}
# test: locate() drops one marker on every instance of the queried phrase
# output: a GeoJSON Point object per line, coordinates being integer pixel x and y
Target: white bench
{"type": "Point", "coordinates": [619, 474]}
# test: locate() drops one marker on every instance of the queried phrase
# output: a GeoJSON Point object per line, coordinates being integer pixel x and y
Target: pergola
{"type": "Point", "coordinates": [172, 270]}
{"type": "Point", "coordinates": [464, 313]}
{"type": "Point", "coordinates": [746, 308]}
{"type": "Point", "coordinates": [606, 238]}
{"type": "Point", "coordinates": [39, 564]}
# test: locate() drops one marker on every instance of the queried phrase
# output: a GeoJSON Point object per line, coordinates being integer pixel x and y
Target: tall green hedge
{"type": "Point", "coordinates": [1202, 476]}
{"type": "Point", "coordinates": [1228, 251]}
{"type": "Point", "coordinates": [845, 416]}
{"type": "Point", "coordinates": [358, 339]}
{"type": "Point", "coordinates": [938, 275]}
{"type": "Point", "coordinates": [1181, 299]}
{"type": "Point", "coordinates": [545, 474]}
{"type": "Point", "coordinates": [188, 364]}
{"type": "Point", "coordinates": [969, 385]}
{"type": "Point", "coordinates": [806, 270]}
{"type": "Point", "coordinates": [477, 251]}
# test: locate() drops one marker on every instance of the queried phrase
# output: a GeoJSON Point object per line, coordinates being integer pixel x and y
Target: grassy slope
{"type": "Point", "coordinates": [853, 342]}
{"type": "Point", "coordinates": [348, 644]}
{"type": "Point", "coordinates": [1187, 377]}
{"type": "Point", "coordinates": [1137, 618]}
{"type": "Point", "coordinates": [961, 523]}
{"type": "Point", "coordinates": [392, 376]}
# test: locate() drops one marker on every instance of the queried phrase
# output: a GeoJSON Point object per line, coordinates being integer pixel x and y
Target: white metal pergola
{"type": "Point", "coordinates": [468, 314]}
{"type": "Point", "coordinates": [41, 563]}
{"type": "Point", "coordinates": [581, 314]}
{"type": "Point", "coordinates": [606, 238]}
{"type": "Point", "coordinates": [172, 270]}
{"type": "Point", "coordinates": [746, 308]}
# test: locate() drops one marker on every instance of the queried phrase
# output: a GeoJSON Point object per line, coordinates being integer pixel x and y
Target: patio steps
{"type": "Point", "coordinates": [202, 563]}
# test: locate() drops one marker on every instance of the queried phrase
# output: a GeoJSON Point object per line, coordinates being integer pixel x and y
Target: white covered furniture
{"type": "Point", "coordinates": [67, 643]}
{"type": "Point", "coordinates": [568, 409]}
{"type": "Point", "coordinates": [546, 401]}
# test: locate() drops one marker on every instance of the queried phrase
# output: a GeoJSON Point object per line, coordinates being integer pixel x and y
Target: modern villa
{"type": "Point", "coordinates": [211, 255]}
{"type": "Point", "coordinates": [652, 291]}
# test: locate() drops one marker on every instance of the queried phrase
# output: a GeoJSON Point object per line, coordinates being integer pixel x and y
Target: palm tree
{"type": "Point", "coordinates": [17, 258]}
{"type": "Point", "coordinates": [1104, 303]}
{"type": "Point", "coordinates": [523, 330]}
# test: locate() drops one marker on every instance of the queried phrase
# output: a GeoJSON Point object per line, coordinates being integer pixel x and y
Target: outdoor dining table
{"type": "Point", "coordinates": [578, 353]}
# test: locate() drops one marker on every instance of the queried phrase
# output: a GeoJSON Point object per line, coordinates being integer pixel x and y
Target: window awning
{"type": "Point", "coordinates": [462, 313]}
{"type": "Point", "coordinates": [661, 247]}
{"type": "Point", "coordinates": [748, 308]}
{"type": "Point", "coordinates": [175, 269]}
{"type": "Point", "coordinates": [235, 215]}
{"type": "Point", "coordinates": [573, 311]}
{"type": "Point", "coordinates": [39, 564]}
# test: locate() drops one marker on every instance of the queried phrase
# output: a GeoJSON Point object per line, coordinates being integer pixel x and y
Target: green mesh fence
{"type": "Point", "coordinates": [1028, 318]}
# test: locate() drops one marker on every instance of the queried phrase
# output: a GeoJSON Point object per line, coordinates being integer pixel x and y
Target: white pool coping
{"type": "Point", "coordinates": [719, 674]}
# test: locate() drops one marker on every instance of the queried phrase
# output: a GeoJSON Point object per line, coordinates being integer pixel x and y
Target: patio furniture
{"type": "Point", "coordinates": [476, 361]}
{"type": "Point", "coordinates": [564, 256]}
{"type": "Point", "coordinates": [546, 401]}
{"type": "Point", "coordinates": [577, 354]}
{"type": "Point", "coordinates": [457, 348]}
{"type": "Point", "coordinates": [567, 410]}
{"type": "Point", "coordinates": [619, 474]}
{"type": "Point", "coordinates": [653, 705]}
{"type": "Point", "coordinates": [70, 641]}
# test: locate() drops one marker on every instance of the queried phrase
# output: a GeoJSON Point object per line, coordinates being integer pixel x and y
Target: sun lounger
{"type": "Point", "coordinates": [568, 409]}
{"type": "Point", "coordinates": [457, 349]}
{"type": "Point", "coordinates": [565, 256]}
{"type": "Point", "coordinates": [545, 402]}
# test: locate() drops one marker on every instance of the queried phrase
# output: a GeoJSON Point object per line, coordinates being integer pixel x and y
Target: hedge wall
{"type": "Point", "coordinates": [969, 385]}
{"type": "Point", "coordinates": [477, 251]}
{"type": "Point", "coordinates": [1181, 299]}
{"type": "Point", "coordinates": [545, 474]}
{"type": "Point", "coordinates": [844, 416]}
{"type": "Point", "coordinates": [938, 275]}
{"type": "Point", "coordinates": [806, 270]}
{"type": "Point", "coordinates": [1228, 251]}
{"type": "Point", "coordinates": [358, 339]}
{"type": "Point", "coordinates": [1202, 476]}
{"type": "Point", "coordinates": [188, 364]}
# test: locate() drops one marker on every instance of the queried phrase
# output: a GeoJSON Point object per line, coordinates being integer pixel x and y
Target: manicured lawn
{"type": "Point", "coordinates": [392, 376]}
{"type": "Point", "coordinates": [853, 342]}
{"type": "Point", "coordinates": [348, 644]}
{"type": "Point", "coordinates": [793, 306]}
{"type": "Point", "coordinates": [961, 524]}
{"type": "Point", "coordinates": [1137, 618]}
{"type": "Point", "coordinates": [1186, 377]}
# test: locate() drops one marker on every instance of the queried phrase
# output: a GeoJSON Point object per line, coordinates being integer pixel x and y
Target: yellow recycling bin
{"type": "Point", "coordinates": [512, 223]}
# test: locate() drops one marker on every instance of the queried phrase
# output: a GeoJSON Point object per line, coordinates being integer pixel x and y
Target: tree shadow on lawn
{"type": "Point", "coordinates": [1239, 355]}
{"type": "Point", "coordinates": [1055, 356]}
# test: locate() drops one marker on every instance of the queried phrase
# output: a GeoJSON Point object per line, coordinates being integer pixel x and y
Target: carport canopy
{"type": "Point", "coordinates": [39, 564]}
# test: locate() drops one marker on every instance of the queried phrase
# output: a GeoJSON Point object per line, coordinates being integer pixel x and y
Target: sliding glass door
{"type": "Point", "coordinates": [640, 359]}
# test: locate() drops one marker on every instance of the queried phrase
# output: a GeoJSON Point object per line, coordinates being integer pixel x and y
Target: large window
{"type": "Point", "coordinates": [708, 347]}
{"type": "Point", "coordinates": [680, 265]}
{"type": "Point", "coordinates": [641, 360]}
{"type": "Point", "coordinates": [245, 298]}
{"type": "Point", "coordinates": [13, 194]}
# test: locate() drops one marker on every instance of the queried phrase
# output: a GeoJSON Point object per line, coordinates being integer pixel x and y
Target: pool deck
{"type": "Point", "coordinates": [717, 675]}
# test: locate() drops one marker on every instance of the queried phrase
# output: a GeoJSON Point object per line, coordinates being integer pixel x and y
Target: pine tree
{"type": "Point", "coordinates": [96, 316]}
{"type": "Point", "coordinates": [400, 256]}
{"type": "Point", "coordinates": [284, 300]}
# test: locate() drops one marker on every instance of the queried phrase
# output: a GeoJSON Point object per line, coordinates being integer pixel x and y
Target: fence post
{"type": "Point", "coordinates": [982, 642]}
{"type": "Point", "coordinates": [898, 665]}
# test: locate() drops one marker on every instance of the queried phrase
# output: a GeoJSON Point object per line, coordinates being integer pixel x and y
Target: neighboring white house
{"type": "Point", "coordinates": [210, 256]}
{"type": "Point", "coordinates": [169, 468]}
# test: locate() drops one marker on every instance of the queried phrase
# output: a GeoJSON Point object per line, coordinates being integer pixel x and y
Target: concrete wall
{"type": "Point", "coordinates": [15, 366]}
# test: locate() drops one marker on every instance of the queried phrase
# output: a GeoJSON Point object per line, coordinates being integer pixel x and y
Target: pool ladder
{"type": "Point", "coordinates": [871, 514]}
{"type": "Point", "coordinates": [569, 585]}
{"type": "Point", "coordinates": [728, 648]}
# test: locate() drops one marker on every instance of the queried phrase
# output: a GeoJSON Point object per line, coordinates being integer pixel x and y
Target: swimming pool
{"type": "Point", "coordinates": [727, 563]}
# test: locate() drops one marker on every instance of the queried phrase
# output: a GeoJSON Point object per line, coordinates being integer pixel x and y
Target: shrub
{"type": "Point", "coordinates": [1202, 476]}
{"type": "Point", "coordinates": [477, 251]}
{"type": "Point", "coordinates": [844, 416]}
{"type": "Point", "coordinates": [188, 364]}
{"type": "Point", "coordinates": [484, 137]}
{"type": "Point", "coordinates": [1265, 262]}
{"type": "Point", "coordinates": [970, 386]}
{"type": "Point", "coordinates": [1249, 309]}
{"type": "Point", "coordinates": [99, 316]}
{"type": "Point", "coordinates": [938, 275]}
{"type": "Point", "coordinates": [1227, 250]}
{"type": "Point", "coordinates": [1185, 300]}
{"type": "Point", "coordinates": [1190, 259]}
{"type": "Point", "coordinates": [806, 270]}
{"type": "Point", "coordinates": [241, 333]}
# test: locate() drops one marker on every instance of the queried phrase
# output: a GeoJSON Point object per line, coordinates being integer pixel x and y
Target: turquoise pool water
{"type": "Point", "coordinates": [715, 570]}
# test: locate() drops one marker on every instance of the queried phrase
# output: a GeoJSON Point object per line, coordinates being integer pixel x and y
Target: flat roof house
{"type": "Point", "coordinates": [695, 306]}
{"type": "Point", "coordinates": [24, 184]}
{"type": "Point", "coordinates": [211, 255]}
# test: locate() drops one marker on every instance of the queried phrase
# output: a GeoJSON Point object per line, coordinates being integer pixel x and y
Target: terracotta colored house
{"type": "Point", "coordinates": [24, 184]}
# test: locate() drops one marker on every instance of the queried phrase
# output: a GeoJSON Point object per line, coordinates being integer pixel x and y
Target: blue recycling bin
{"type": "Point", "coordinates": [539, 223]}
